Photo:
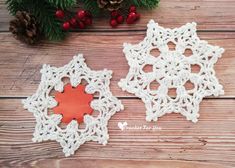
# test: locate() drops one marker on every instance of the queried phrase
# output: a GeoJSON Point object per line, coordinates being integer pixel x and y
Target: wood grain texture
{"type": "Point", "coordinates": [20, 64]}
{"type": "Point", "coordinates": [209, 143]}
{"type": "Point", "coordinates": [87, 163]}
{"type": "Point", "coordinates": [209, 14]}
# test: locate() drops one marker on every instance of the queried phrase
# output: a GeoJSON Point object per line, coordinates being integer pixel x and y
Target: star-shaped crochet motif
{"type": "Point", "coordinates": [47, 125]}
{"type": "Point", "coordinates": [172, 69]}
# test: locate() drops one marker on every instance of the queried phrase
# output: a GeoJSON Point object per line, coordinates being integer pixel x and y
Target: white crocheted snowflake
{"type": "Point", "coordinates": [47, 125]}
{"type": "Point", "coordinates": [172, 69]}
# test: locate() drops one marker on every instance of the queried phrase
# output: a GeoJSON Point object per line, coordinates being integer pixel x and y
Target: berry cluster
{"type": "Point", "coordinates": [81, 19]}
{"type": "Point", "coordinates": [133, 16]}
{"type": "Point", "coordinates": [117, 18]}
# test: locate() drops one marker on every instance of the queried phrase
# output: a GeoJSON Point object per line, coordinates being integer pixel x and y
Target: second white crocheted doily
{"type": "Point", "coordinates": [172, 69]}
{"type": "Point", "coordinates": [47, 125]}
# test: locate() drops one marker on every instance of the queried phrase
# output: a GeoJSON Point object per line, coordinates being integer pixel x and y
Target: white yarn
{"type": "Point", "coordinates": [172, 69]}
{"type": "Point", "coordinates": [70, 138]}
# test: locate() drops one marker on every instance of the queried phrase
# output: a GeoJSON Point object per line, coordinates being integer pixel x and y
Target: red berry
{"type": "Point", "coordinates": [114, 14]}
{"type": "Point", "coordinates": [59, 14]}
{"type": "Point", "coordinates": [66, 25]}
{"type": "Point", "coordinates": [132, 8]}
{"type": "Point", "coordinates": [88, 21]}
{"type": "Point", "coordinates": [132, 16]}
{"type": "Point", "coordinates": [113, 23]}
{"type": "Point", "coordinates": [81, 14]}
{"type": "Point", "coordinates": [73, 22]}
{"type": "Point", "coordinates": [120, 19]}
{"type": "Point", "coordinates": [81, 25]}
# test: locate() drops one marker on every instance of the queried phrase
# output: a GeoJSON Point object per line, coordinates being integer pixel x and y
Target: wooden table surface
{"type": "Point", "coordinates": [210, 143]}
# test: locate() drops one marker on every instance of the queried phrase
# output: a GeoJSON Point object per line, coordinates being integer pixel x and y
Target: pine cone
{"type": "Point", "coordinates": [24, 28]}
{"type": "Point", "coordinates": [110, 4]}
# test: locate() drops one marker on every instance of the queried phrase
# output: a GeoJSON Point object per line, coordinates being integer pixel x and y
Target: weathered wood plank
{"type": "Point", "coordinates": [108, 163]}
{"type": "Point", "coordinates": [20, 64]}
{"type": "Point", "coordinates": [209, 143]}
{"type": "Point", "coordinates": [4, 16]}
{"type": "Point", "coordinates": [209, 14]}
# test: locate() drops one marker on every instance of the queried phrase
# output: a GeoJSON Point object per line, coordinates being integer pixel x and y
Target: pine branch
{"type": "Point", "coordinates": [92, 6]}
{"type": "Point", "coordinates": [149, 4]}
{"type": "Point", "coordinates": [15, 5]}
{"type": "Point", "coordinates": [44, 13]}
{"type": "Point", "coordinates": [63, 4]}
{"type": "Point", "coordinates": [50, 26]}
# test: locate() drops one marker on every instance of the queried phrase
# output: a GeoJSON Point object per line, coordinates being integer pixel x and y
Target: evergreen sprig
{"type": "Point", "coordinates": [63, 4]}
{"type": "Point", "coordinates": [14, 6]}
{"type": "Point", "coordinates": [44, 12]}
{"type": "Point", "coordinates": [149, 4]}
{"type": "Point", "coordinates": [50, 26]}
{"type": "Point", "coordinates": [92, 6]}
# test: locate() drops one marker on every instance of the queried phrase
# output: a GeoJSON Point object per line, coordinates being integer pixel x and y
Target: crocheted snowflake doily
{"type": "Point", "coordinates": [47, 125]}
{"type": "Point", "coordinates": [172, 69]}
